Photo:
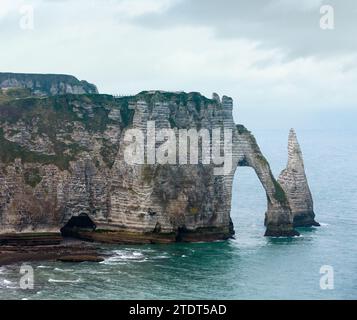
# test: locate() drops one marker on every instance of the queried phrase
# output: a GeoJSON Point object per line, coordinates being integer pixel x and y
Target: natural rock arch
{"type": "Point", "coordinates": [246, 153]}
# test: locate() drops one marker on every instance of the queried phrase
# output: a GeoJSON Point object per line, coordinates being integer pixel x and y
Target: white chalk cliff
{"type": "Point", "coordinates": [62, 156]}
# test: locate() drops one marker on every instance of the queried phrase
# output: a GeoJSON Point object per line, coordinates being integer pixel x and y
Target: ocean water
{"type": "Point", "coordinates": [249, 267]}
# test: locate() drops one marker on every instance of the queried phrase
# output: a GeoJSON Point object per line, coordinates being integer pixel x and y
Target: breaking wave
{"type": "Point", "coordinates": [64, 281]}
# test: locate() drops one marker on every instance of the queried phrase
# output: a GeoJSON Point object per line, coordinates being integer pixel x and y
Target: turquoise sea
{"type": "Point", "coordinates": [249, 267]}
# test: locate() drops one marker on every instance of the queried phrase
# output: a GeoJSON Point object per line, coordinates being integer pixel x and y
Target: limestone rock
{"type": "Point", "coordinates": [63, 156]}
{"type": "Point", "coordinates": [278, 218]}
{"type": "Point", "coordinates": [46, 84]}
{"type": "Point", "coordinates": [294, 182]}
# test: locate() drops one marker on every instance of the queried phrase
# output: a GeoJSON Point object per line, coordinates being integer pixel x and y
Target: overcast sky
{"type": "Point", "coordinates": [270, 56]}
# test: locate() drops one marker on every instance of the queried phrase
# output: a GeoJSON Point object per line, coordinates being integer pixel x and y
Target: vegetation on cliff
{"type": "Point", "coordinates": [52, 117]}
{"type": "Point", "coordinates": [49, 116]}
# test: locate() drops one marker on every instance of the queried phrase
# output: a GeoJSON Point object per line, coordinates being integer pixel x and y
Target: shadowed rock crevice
{"type": "Point", "coordinates": [76, 225]}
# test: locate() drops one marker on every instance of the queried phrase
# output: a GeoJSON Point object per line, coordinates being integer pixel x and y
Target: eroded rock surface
{"type": "Point", "coordinates": [63, 156]}
{"type": "Point", "coordinates": [294, 182]}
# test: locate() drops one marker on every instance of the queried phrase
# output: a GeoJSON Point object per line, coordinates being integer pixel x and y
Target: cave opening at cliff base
{"type": "Point", "coordinates": [78, 223]}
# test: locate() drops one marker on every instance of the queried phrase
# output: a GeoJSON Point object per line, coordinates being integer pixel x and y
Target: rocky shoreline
{"type": "Point", "coordinates": [81, 245]}
{"type": "Point", "coordinates": [67, 250]}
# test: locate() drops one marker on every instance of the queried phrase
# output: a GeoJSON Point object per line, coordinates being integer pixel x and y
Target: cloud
{"type": "Point", "coordinates": [134, 8]}
{"type": "Point", "coordinates": [290, 25]}
{"type": "Point", "coordinates": [264, 56]}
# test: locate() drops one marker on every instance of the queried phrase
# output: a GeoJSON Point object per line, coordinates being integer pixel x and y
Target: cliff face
{"type": "Point", "coordinates": [46, 84]}
{"type": "Point", "coordinates": [64, 156]}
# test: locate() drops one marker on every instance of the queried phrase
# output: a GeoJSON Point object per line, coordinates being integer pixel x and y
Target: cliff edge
{"type": "Point", "coordinates": [63, 169]}
{"type": "Point", "coordinates": [46, 84]}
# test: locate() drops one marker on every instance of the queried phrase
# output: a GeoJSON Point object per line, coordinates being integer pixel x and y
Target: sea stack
{"type": "Point", "coordinates": [294, 182]}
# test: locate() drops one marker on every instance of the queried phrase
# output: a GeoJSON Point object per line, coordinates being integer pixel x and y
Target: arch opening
{"type": "Point", "coordinates": [248, 204]}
